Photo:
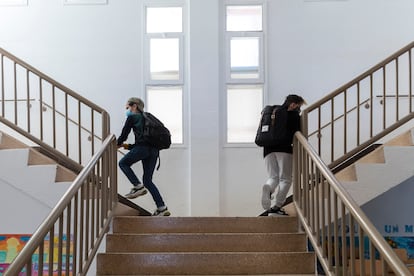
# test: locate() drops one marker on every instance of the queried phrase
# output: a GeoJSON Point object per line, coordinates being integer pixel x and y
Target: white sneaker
{"type": "Point", "coordinates": [163, 212]}
{"type": "Point", "coordinates": [136, 191]}
{"type": "Point", "coordinates": [266, 197]}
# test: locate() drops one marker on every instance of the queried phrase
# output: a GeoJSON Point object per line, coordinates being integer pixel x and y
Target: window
{"type": "Point", "coordinates": [164, 66]}
{"type": "Point", "coordinates": [243, 102]}
{"type": "Point", "coordinates": [85, 2]}
{"type": "Point", "coordinates": [244, 18]}
{"type": "Point", "coordinates": [244, 67]}
{"type": "Point", "coordinates": [244, 58]}
{"type": "Point", "coordinates": [171, 19]}
{"type": "Point", "coordinates": [164, 59]}
{"type": "Point", "coordinates": [166, 102]}
{"type": "Point", "coordinates": [13, 2]}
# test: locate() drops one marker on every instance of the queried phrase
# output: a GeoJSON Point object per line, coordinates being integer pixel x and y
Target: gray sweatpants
{"type": "Point", "coordinates": [279, 169]}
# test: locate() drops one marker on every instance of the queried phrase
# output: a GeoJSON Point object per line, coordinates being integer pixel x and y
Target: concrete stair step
{"type": "Point", "coordinates": [377, 156]}
{"type": "Point", "coordinates": [8, 142]}
{"type": "Point", "coordinates": [205, 246]}
{"type": "Point", "coordinates": [205, 263]}
{"type": "Point", "coordinates": [206, 242]}
{"type": "Point", "coordinates": [14, 158]}
{"type": "Point", "coordinates": [133, 224]}
{"type": "Point", "coordinates": [20, 154]}
{"type": "Point", "coordinates": [62, 174]}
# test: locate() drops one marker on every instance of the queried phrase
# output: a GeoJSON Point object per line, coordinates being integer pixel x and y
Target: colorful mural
{"type": "Point", "coordinates": [406, 243]}
{"type": "Point", "coordinates": [12, 244]}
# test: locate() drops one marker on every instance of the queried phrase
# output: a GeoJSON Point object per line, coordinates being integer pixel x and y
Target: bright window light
{"type": "Point", "coordinates": [164, 20]}
{"type": "Point", "coordinates": [244, 104]}
{"type": "Point", "coordinates": [244, 57]}
{"type": "Point", "coordinates": [166, 104]}
{"type": "Point", "coordinates": [165, 58]}
{"type": "Point", "coordinates": [244, 18]}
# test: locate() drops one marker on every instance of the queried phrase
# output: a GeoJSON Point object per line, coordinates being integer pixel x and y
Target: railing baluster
{"type": "Point", "coordinates": [343, 240]}
{"type": "Point", "coordinates": [41, 257]}
{"type": "Point", "coordinates": [397, 91]}
{"type": "Point", "coordinates": [319, 132]}
{"type": "Point", "coordinates": [54, 116]}
{"type": "Point", "coordinates": [361, 250]}
{"type": "Point", "coordinates": [318, 184]}
{"type": "Point", "coordinates": [352, 245]}
{"type": "Point", "coordinates": [69, 240]}
{"type": "Point", "coordinates": [79, 133]}
{"type": "Point", "coordinates": [371, 106]}
{"type": "Point", "coordinates": [51, 250]}
{"type": "Point", "coordinates": [93, 203]}
{"type": "Point", "coordinates": [28, 99]}
{"type": "Point", "coordinates": [345, 122]}
{"type": "Point", "coordinates": [82, 226]}
{"type": "Point", "coordinates": [336, 234]}
{"type": "Point", "coordinates": [60, 246]}
{"type": "Point", "coordinates": [41, 107]}
{"type": "Point", "coordinates": [384, 98]}
{"type": "Point", "coordinates": [358, 121]}
{"type": "Point", "coordinates": [87, 217]}
{"type": "Point", "coordinates": [324, 221]}
{"type": "Point", "coordinates": [2, 87]}
{"type": "Point", "coordinates": [15, 92]}
{"type": "Point", "coordinates": [76, 224]}
{"type": "Point", "coordinates": [372, 258]}
{"type": "Point", "coordinates": [92, 131]}
{"type": "Point", "coordinates": [66, 124]}
{"type": "Point", "coordinates": [329, 227]}
{"type": "Point", "coordinates": [332, 129]}
{"type": "Point", "coordinates": [410, 82]}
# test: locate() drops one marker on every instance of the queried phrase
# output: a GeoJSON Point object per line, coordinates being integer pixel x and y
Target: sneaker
{"type": "Point", "coordinates": [266, 197]}
{"type": "Point", "coordinates": [277, 211]}
{"type": "Point", "coordinates": [136, 191]}
{"type": "Point", "coordinates": [162, 212]}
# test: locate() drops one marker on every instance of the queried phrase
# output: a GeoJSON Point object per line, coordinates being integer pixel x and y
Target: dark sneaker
{"type": "Point", "coordinates": [266, 197]}
{"type": "Point", "coordinates": [277, 211]}
{"type": "Point", "coordinates": [162, 212]}
{"type": "Point", "coordinates": [136, 191]}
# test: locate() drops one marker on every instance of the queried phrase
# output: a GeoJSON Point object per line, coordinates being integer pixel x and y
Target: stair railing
{"type": "Point", "coordinates": [75, 228]}
{"type": "Point", "coordinates": [344, 239]}
{"type": "Point", "coordinates": [341, 119]}
{"type": "Point", "coordinates": [62, 122]}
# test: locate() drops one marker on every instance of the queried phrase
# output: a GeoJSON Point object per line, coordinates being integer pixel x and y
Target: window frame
{"type": "Point", "coordinates": [147, 65]}
{"type": "Point", "coordinates": [180, 82]}
{"type": "Point", "coordinates": [260, 78]}
{"type": "Point", "coordinates": [228, 81]}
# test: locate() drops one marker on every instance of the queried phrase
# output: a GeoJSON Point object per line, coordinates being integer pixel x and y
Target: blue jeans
{"type": "Point", "coordinates": [148, 156]}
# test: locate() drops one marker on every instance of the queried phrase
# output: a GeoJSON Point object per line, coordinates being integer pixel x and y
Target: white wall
{"type": "Point", "coordinates": [313, 48]}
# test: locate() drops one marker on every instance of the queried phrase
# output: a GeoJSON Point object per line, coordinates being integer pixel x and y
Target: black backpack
{"type": "Point", "coordinates": [155, 133]}
{"type": "Point", "coordinates": [272, 130]}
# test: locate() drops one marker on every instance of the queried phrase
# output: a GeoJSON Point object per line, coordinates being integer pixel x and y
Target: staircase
{"type": "Point", "coordinates": [28, 176]}
{"type": "Point", "coordinates": [369, 177]}
{"type": "Point", "coordinates": [142, 245]}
